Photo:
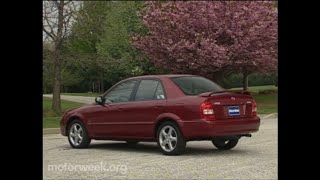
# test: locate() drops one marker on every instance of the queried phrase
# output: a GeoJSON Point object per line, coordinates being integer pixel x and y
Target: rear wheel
{"type": "Point", "coordinates": [77, 135]}
{"type": "Point", "coordinates": [225, 144]}
{"type": "Point", "coordinates": [170, 139]}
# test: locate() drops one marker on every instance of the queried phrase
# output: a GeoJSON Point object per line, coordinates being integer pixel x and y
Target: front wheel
{"type": "Point", "coordinates": [170, 139]}
{"type": "Point", "coordinates": [77, 135]}
{"type": "Point", "coordinates": [225, 144]}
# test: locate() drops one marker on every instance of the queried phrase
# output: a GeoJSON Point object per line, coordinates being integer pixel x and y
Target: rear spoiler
{"type": "Point", "coordinates": [206, 94]}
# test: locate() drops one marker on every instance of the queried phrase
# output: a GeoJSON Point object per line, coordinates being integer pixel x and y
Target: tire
{"type": "Point", "coordinates": [76, 130]}
{"type": "Point", "coordinates": [225, 144]}
{"type": "Point", "coordinates": [170, 145]}
{"type": "Point", "coordinates": [132, 142]}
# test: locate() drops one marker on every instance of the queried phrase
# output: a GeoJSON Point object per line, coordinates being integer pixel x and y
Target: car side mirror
{"type": "Point", "coordinates": [99, 100]}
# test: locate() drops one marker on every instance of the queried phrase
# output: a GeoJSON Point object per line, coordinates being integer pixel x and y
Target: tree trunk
{"type": "Point", "coordinates": [245, 80]}
{"type": "Point", "coordinates": [56, 101]}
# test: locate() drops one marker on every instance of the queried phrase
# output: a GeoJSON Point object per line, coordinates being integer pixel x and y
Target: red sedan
{"type": "Point", "coordinates": [169, 109]}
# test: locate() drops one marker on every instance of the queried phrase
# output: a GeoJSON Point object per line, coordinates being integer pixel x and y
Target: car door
{"type": "Point", "coordinates": [108, 120]}
{"type": "Point", "coordinates": [148, 103]}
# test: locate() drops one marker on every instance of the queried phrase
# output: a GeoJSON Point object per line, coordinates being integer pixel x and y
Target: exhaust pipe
{"type": "Point", "coordinates": [245, 135]}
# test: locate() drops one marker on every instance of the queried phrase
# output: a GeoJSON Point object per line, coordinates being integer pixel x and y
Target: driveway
{"type": "Point", "coordinates": [252, 158]}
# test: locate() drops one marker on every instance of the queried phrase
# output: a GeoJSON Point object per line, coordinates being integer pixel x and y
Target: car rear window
{"type": "Point", "coordinates": [194, 85]}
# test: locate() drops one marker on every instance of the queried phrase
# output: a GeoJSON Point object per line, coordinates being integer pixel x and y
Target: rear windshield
{"type": "Point", "coordinates": [194, 85]}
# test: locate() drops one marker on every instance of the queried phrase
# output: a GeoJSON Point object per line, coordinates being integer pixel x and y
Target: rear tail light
{"type": "Point", "coordinates": [254, 108]}
{"type": "Point", "coordinates": [206, 110]}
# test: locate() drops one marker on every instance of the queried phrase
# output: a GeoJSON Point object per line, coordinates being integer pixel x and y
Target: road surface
{"type": "Point", "coordinates": [252, 158]}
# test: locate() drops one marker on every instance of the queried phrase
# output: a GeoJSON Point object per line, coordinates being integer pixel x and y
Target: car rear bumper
{"type": "Point", "coordinates": [202, 129]}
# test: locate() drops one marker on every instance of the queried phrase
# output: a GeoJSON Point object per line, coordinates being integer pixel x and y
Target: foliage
{"type": "Point", "coordinates": [100, 43]}
{"type": "Point", "coordinates": [206, 37]}
{"type": "Point", "coordinates": [213, 39]}
{"type": "Point", "coordinates": [115, 46]}
{"type": "Point", "coordinates": [47, 69]}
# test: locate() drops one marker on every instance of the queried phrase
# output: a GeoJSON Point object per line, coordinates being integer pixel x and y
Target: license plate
{"type": "Point", "coordinates": [234, 110]}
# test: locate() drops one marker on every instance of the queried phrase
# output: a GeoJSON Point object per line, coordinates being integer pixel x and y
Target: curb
{"type": "Point", "coordinates": [46, 131]}
{"type": "Point", "coordinates": [270, 116]}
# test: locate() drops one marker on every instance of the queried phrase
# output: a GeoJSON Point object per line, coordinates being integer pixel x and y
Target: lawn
{"type": "Point", "coordinates": [51, 119]}
{"type": "Point", "coordinates": [267, 103]}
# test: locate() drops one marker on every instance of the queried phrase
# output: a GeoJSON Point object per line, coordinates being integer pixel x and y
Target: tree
{"type": "Point", "coordinates": [82, 42]}
{"type": "Point", "coordinates": [57, 19]}
{"type": "Point", "coordinates": [210, 38]}
{"type": "Point", "coordinates": [101, 39]}
{"type": "Point", "coordinates": [122, 58]}
{"type": "Point", "coordinates": [47, 67]}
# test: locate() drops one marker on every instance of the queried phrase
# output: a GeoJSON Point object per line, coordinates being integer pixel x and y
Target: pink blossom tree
{"type": "Point", "coordinates": [210, 38]}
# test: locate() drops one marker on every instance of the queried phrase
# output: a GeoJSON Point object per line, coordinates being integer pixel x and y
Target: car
{"type": "Point", "coordinates": [169, 109]}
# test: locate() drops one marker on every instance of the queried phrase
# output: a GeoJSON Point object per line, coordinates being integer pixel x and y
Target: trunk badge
{"type": "Point", "coordinates": [233, 98]}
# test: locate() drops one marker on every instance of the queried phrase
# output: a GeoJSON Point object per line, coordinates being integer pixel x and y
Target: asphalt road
{"type": "Point", "coordinates": [252, 158]}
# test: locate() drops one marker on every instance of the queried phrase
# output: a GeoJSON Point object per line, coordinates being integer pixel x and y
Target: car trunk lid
{"type": "Point", "coordinates": [230, 104]}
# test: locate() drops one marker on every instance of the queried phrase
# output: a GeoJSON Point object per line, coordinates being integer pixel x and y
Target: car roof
{"type": "Point", "coordinates": [161, 76]}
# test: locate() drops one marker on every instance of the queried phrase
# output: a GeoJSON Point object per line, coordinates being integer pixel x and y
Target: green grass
{"type": "Point", "coordinates": [50, 118]}
{"type": "Point", "coordinates": [51, 122]}
{"type": "Point", "coordinates": [82, 94]}
{"type": "Point", "coordinates": [267, 103]}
